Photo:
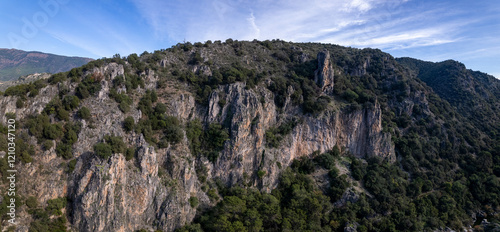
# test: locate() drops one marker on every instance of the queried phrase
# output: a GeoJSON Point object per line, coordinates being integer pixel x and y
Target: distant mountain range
{"type": "Point", "coordinates": [15, 63]}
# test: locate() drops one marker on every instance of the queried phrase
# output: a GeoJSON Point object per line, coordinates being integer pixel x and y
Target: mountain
{"type": "Point", "coordinates": [254, 136]}
{"type": "Point", "coordinates": [15, 63]}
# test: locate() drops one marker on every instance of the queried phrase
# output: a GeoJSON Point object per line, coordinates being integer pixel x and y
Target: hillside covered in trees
{"type": "Point", "coordinates": [256, 136]}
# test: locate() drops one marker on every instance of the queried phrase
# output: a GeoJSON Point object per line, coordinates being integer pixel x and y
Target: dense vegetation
{"type": "Point", "coordinates": [16, 63]}
{"type": "Point", "coordinates": [446, 135]}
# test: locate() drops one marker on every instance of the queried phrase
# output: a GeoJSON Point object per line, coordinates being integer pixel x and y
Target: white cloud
{"type": "Point", "coordinates": [357, 5]}
{"type": "Point", "coordinates": [254, 26]}
{"type": "Point", "coordinates": [80, 43]}
{"type": "Point", "coordinates": [361, 23]}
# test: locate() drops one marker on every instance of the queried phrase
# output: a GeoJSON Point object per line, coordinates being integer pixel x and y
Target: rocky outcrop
{"type": "Point", "coordinates": [359, 131]}
{"type": "Point", "coordinates": [324, 75]}
{"type": "Point", "coordinates": [349, 195]}
{"type": "Point", "coordinates": [118, 195]}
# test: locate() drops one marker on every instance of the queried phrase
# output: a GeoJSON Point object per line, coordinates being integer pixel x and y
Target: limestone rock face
{"type": "Point", "coordinates": [360, 132]}
{"type": "Point", "coordinates": [116, 195]}
{"type": "Point", "coordinates": [324, 75]}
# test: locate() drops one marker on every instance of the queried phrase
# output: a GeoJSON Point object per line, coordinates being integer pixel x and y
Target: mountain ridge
{"type": "Point", "coordinates": [15, 63]}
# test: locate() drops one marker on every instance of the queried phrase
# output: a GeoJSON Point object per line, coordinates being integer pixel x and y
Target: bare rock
{"type": "Point", "coordinates": [324, 75]}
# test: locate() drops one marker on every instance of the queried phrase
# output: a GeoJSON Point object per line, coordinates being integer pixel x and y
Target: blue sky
{"type": "Point", "coordinates": [467, 31]}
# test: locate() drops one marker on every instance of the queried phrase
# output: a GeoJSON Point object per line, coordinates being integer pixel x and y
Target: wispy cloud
{"type": "Point", "coordinates": [406, 27]}
{"type": "Point", "coordinates": [350, 23]}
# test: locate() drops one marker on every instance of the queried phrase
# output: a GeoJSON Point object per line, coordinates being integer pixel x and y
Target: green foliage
{"type": "Point", "coordinates": [103, 150]}
{"type": "Point", "coordinates": [47, 144]}
{"type": "Point", "coordinates": [71, 165]}
{"type": "Point", "coordinates": [190, 228]}
{"type": "Point", "coordinates": [62, 114]}
{"type": "Point", "coordinates": [193, 201]}
{"type": "Point", "coordinates": [350, 95]}
{"type": "Point", "coordinates": [327, 159]}
{"type": "Point", "coordinates": [129, 154]}
{"type": "Point", "coordinates": [54, 206]}
{"type": "Point", "coordinates": [64, 150]}
{"type": "Point", "coordinates": [116, 143]}
{"type": "Point", "coordinates": [52, 131]}
{"type": "Point", "coordinates": [57, 78]}
{"type": "Point", "coordinates": [274, 135]}
{"type": "Point", "coordinates": [303, 165]}
{"type": "Point", "coordinates": [19, 103]}
{"type": "Point", "coordinates": [194, 132]}
{"type": "Point", "coordinates": [215, 137]}
{"type": "Point", "coordinates": [70, 102]}
{"type": "Point", "coordinates": [261, 173]}
{"type": "Point", "coordinates": [50, 219]}
{"type": "Point", "coordinates": [89, 86]}
{"type": "Point", "coordinates": [207, 142]}
{"type": "Point", "coordinates": [24, 90]}
{"type": "Point", "coordinates": [31, 202]}
{"type": "Point", "coordinates": [146, 103]}
{"type": "Point", "coordinates": [111, 145]}
{"type": "Point", "coordinates": [128, 124]}
{"type": "Point", "coordinates": [123, 99]}
{"type": "Point", "coordinates": [294, 205]}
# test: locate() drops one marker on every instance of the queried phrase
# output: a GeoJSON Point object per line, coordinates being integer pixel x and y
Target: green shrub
{"type": "Point", "coordinates": [32, 202]}
{"type": "Point", "coordinates": [350, 95]}
{"type": "Point", "coordinates": [36, 124]}
{"type": "Point", "coordinates": [303, 165]}
{"type": "Point", "coordinates": [194, 132]}
{"type": "Point", "coordinates": [261, 173]}
{"type": "Point", "coordinates": [160, 108]}
{"type": "Point", "coordinates": [19, 103]}
{"type": "Point", "coordinates": [116, 143]}
{"type": "Point", "coordinates": [64, 150]}
{"type": "Point", "coordinates": [71, 165]}
{"type": "Point", "coordinates": [216, 136]}
{"type": "Point", "coordinates": [89, 86]}
{"type": "Point", "coordinates": [124, 107]}
{"type": "Point", "coordinates": [103, 150]}
{"type": "Point", "coordinates": [326, 160]}
{"type": "Point", "coordinates": [70, 137]}
{"type": "Point", "coordinates": [57, 78]}
{"type": "Point", "coordinates": [128, 124]}
{"type": "Point", "coordinates": [275, 135]}
{"type": "Point", "coordinates": [123, 99]}
{"type": "Point", "coordinates": [47, 144]}
{"type": "Point", "coordinates": [173, 133]}
{"type": "Point", "coordinates": [130, 153]}
{"type": "Point", "coordinates": [52, 131]}
{"type": "Point", "coordinates": [193, 201]}
{"type": "Point", "coordinates": [54, 206]}
{"type": "Point", "coordinates": [26, 157]}
{"type": "Point", "coordinates": [84, 113]}
{"type": "Point", "coordinates": [62, 114]}
{"type": "Point", "coordinates": [70, 102]}
{"type": "Point", "coordinates": [212, 194]}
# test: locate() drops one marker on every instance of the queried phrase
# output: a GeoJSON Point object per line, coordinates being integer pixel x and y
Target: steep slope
{"type": "Point", "coordinates": [15, 63]}
{"type": "Point", "coordinates": [474, 94]}
{"type": "Point", "coordinates": [242, 134]}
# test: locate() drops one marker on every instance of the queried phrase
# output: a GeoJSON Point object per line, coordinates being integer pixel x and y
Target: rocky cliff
{"type": "Point", "coordinates": [154, 189]}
